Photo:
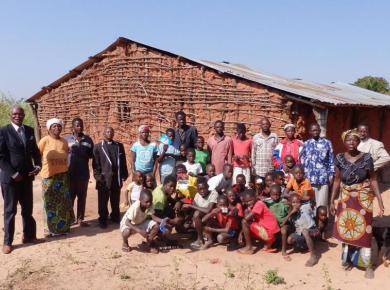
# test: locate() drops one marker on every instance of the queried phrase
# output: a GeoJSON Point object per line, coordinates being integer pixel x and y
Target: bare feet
{"type": "Point", "coordinates": [32, 241]}
{"type": "Point", "coordinates": [197, 244]}
{"type": "Point", "coordinates": [206, 245]}
{"type": "Point", "coordinates": [83, 224]}
{"type": "Point", "coordinates": [312, 261]}
{"type": "Point", "coordinates": [286, 257]}
{"type": "Point", "coordinates": [369, 273]}
{"type": "Point", "coordinates": [126, 248]}
{"type": "Point", "coordinates": [246, 251]}
{"type": "Point", "coordinates": [7, 249]}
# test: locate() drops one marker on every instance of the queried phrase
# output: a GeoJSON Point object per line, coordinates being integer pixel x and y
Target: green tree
{"type": "Point", "coordinates": [6, 103]}
{"type": "Point", "coordinates": [376, 84]}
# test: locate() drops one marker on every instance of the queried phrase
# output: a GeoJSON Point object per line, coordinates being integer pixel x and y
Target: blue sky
{"type": "Point", "coordinates": [323, 42]}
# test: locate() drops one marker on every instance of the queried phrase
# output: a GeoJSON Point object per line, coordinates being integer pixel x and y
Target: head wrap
{"type": "Point", "coordinates": [353, 132]}
{"type": "Point", "coordinates": [53, 121]}
{"type": "Point", "coordinates": [288, 126]}
{"type": "Point", "coordinates": [143, 128]}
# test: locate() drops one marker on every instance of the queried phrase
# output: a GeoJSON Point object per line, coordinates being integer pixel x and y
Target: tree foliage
{"type": "Point", "coordinates": [376, 84]}
{"type": "Point", "coordinates": [6, 103]}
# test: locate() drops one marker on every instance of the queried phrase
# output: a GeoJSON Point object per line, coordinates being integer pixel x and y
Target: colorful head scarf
{"type": "Point", "coordinates": [352, 132]}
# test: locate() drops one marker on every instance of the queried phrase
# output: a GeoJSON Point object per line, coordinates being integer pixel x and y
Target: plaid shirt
{"type": "Point", "coordinates": [262, 153]}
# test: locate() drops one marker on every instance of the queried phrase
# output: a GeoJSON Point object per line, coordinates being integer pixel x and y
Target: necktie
{"type": "Point", "coordinates": [21, 135]}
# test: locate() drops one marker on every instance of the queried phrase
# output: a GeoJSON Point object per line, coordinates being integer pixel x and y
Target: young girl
{"type": "Point", "coordinates": [259, 223]}
{"type": "Point", "coordinates": [269, 179]}
{"type": "Point", "coordinates": [150, 181]}
{"type": "Point", "coordinates": [134, 188]}
{"type": "Point", "coordinates": [193, 168]}
{"type": "Point", "coordinates": [182, 157]}
{"type": "Point", "coordinates": [143, 152]}
{"type": "Point", "coordinates": [166, 154]}
{"type": "Point", "coordinates": [210, 171]}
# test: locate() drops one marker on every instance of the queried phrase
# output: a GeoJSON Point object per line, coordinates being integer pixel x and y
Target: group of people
{"type": "Point", "coordinates": [229, 190]}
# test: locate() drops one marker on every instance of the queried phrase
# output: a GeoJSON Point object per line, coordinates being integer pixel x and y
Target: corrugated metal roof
{"type": "Point", "coordinates": [333, 93]}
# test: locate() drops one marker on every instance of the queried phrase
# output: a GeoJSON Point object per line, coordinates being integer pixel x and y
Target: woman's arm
{"type": "Point", "coordinates": [133, 157]}
{"type": "Point", "coordinates": [375, 188]}
{"type": "Point", "coordinates": [335, 190]}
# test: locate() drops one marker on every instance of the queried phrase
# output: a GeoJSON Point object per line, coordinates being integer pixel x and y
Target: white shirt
{"type": "Point", "coordinates": [219, 183]}
{"type": "Point", "coordinates": [194, 168]}
{"type": "Point", "coordinates": [377, 151]}
{"type": "Point", "coordinates": [204, 202]}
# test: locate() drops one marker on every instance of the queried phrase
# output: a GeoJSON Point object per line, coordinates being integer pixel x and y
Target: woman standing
{"type": "Point", "coordinates": [356, 184]}
{"type": "Point", "coordinates": [57, 202]}
{"type": "Point", "coordinates": [144, 152]}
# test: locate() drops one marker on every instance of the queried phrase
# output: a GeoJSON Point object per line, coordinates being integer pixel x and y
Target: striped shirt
{"type": "Point", "coordinates": [262, 153]}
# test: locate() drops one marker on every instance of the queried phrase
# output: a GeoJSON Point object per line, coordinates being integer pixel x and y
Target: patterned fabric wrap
{"type": "Point", "coordinates": [57, 204]}
{"type": "Point", "coordinates": [358, 257]}
{"type": "Point", "coordinates": [353, 221]}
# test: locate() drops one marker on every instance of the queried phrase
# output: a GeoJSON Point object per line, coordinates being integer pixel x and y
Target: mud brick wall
{"type": "Point", "coordinates": [133, 85]}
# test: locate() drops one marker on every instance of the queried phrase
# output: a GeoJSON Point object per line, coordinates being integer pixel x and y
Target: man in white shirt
{"type": "Point", "coordinates": [223, 181]}
{"type": "Point", "coordinates": [374, 147]}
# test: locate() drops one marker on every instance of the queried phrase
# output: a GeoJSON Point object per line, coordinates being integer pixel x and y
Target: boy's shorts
{"type": "Point", "coordinates": [147, 226]}
{"type": "Point", "coordinates": [299, 240]}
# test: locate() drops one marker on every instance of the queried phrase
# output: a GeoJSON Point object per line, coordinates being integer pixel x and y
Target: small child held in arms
{"type": "Point", "coordinates": [240, 184]}
{"type": "Point", "coordinates": [204, 201]}
{"type": "Point", "coordinates": [193, 168]}
{"type": "Point", "coordinates": [289, 164]}
{"type": "Point", "coordinates": [140, 219]}
{"type": "Point", "coordinates": [134, 188]}
{"type": "Point", "coordinates": [258, 223]}
{"type": "Point", "coordinates": [150, 182]}
{"type": "Point", "coordinates": [223, 181]}
{"type": "Point", "coordinates": [210, 171]}
{"type": "Point", "coordinates": [279, 208]}
{"type": "Point", "coordinates": [182, 157]}
{"type": "Point", "coordinates": [300, 185]}
{"type": "Point", "coordinates": [222, 223]}
{"type": "Point", "coordinates": [301, 217]}
{"type": "Point", "coordinates": [322, 220]}
{"type": "Point", "coordinates": [202, 156]}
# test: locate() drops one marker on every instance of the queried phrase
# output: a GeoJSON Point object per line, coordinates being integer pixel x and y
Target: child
{"type": "Point", "coordinates": [239, 186]}
{"type": "Point", "coordinates": [186, 185]}
{"type": "Point", "coordinates": [193, 169]}
{"type": "Point", "coordinates": [221, 222]}
{"type": "Point", "coordinates": [322, 220]}
{"type": "Point", "coordinates": [289, 164]}
{"type": "Point", "coordinates": [242, 148]}
{"type": "Point", "coordinates": [301, 217]}
{"type": "Point", "coordinates": [210, 171]}
{"type": "Point", "coordinates": [150, 182]}
{"type": "Point", "coordinates": [223, 181]}
{"type": "Point", "coordinates": [280, 209]}
{"type": "Point", "coordinates": [182, 157]}
{"type": "Point", "coordinates": [143, 152]}
{"type": "Point", "coordinates": [269, 180]}
{"type": "Point", "coordinates": [134, 188]}
{"type": "Point", "coordinates": [204, 201]}
{"type": "Point", "coordinates": [166, 154]}
{"type": "Point", "coordinates": [137, 220]}
{"type": "Point", "coordinates": [202, 156]}
{"type": "Point", "coordinates": [259, 223]}
{"type": "Point", "coordinates": [300, 185]}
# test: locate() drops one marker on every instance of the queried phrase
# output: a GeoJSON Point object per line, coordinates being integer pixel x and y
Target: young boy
{"type": "Point", "coordinates": [166, 154]}
{"type": "Point", "coordinates": [150, 182]}
{"type": "Point", "coordinates": [239, 187]}
{"type": "Point", "coordinates": [301, 217]}
{"type": "Point", "coordinates": [322, 220]}
{"type": "Point", "coordinates": [193, 168]}
{"type": "Point", "coordinates": [258, 223]}
{"type": "Point", "coordinates": [220, 222]}
{"type": "Point", "coordinates": [182, 157]}
{"type": "Point", "coordinates": [242, 148]}
{"type": "Point", "coordinates": [269, 180]}
{"type": "Point", "coordinates": [204, 201]}
{"type": "Point", "coordinates": [223, 181]}
{"type": "Point", "coordinates": [210, 171]}
{"type": "Point", "coordinates": [134, 188]}
{"type": "Point", "coordinates": [289, 164]}
{"type": "Point", "coordinates": [300, 185]}
{"type": "Point", "coordinates": [137, 220]}
{"type": "Point", "coordinates": [202, 156]}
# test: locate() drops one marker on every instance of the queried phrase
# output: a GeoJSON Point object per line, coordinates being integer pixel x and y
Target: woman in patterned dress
{"type": "Point", "coordinates": [57, 203]}
{"type": "Point", "coordinates": [356, 185]}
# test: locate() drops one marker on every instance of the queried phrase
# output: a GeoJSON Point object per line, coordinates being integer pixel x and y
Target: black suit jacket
{"type": "Point", "coordinates": [16, 156]}
{"type": "Point", "coordinates": [102, 169]}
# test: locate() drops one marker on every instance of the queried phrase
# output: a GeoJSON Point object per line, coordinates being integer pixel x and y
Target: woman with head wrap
{"type": "Point", "coordinates": [143, 152]}
{"type": "Point", "coordinates": [57, 203]}
{"type": "Point", "coordinates": [356, 185]}
{"type": "Point", "coordinates": [288, 146]}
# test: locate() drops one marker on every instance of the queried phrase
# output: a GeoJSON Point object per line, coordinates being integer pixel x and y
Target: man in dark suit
{"type": "Point", "coordinates": [184, 134]}
{"type": "Point", "coordinates": [110, 171]}
{"type": "Point", "coordinates": [20, 161]}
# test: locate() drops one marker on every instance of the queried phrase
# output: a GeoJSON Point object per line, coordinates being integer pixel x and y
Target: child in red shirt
{"type": "Point", "coordinates": [242, 148]}
{"type": "Point", "coordinates": [259, 223]}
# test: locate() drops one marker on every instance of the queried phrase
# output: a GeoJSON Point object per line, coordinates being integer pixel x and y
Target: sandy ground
{"type": "Point", "coordinates": [91, 258]}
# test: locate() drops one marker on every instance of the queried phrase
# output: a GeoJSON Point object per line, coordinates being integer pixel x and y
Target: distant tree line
{"type": "Point", "coordinates": [6, 103]}
{"type": "Point", "coordinates": [376, 84]}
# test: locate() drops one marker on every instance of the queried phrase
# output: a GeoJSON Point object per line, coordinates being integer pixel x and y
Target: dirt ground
{"type": "Point", "coordinates": [91, 258]}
